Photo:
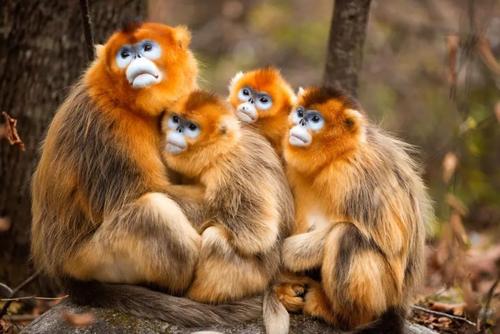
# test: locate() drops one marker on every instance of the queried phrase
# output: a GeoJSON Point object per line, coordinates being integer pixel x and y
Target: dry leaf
{"type": "Point", "coordinates": [471, 299]}
{"type": "Point", "coordinates": [79, 319]}
{"type": "Point", "coordinates": [455, 309]}
{"type": "Point", "coordinates": [450, 163]}
{"type": "Point", "coordinates": [10, 131]}
{"type": "Point", "coordinates": [4, 224]}
{"type": "Point", "coordinates": [444, 322]}
{"type": "Point", "coordinates": [5, 326]}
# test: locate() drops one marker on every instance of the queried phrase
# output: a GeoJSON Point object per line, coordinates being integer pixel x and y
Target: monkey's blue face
{"type": "Point", "coordinates": [139, 65]}
{"type": "Point", "coordinates": [304, 124]}
{"type": "Point", "coordinates": [179, 133]}
{"type": "Point", "coordinates": [252, 102]}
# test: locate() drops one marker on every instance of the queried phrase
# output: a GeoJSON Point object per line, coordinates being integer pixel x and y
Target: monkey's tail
{"type": "Point", "coordinates": [390, 322]}
{"type": "Point", "coordinates": [276, 317]}
{"type": "Point", "coordinates": [146, 303]}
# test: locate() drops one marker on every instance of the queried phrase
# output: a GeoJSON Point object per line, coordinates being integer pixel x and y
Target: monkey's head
{"type": "Point", "coordinates": [199, 128]}
{"type": "Point", "coordinates": [260, 94]}
{"type": "Point", "coordinates": [144, 67]}
{"type": "Point", "coordinates": [325, 125]}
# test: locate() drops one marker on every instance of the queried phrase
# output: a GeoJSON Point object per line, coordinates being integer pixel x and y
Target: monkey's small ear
{"type": "Point", "coordinates": [182, 36]}
{"type": "Point", "coordinates": [99, 50]}
{"type": "Point", "coordinates": [353, 117]}
{"type": "Point", "coordinates": [300, 91]}
{"type": "Point", "coordinates": [234, 80]}
{"type": "Point", "coordinates": [228, 124]}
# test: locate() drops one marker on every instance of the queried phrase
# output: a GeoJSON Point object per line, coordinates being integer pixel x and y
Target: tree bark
{"type": "Point", "coordinates": [42, 52]}
{"type": "Point", "coordinates": [345, 46]}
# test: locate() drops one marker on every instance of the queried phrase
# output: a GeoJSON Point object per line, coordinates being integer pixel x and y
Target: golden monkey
{"type": "Point", "coordinates": [263, 99]}
{"type": "Point", "coordinates": [248, 206]}
{"type": "Point", "coordinates": [100, 212]}
{"type": "Point", "coordinates": [361, 209]}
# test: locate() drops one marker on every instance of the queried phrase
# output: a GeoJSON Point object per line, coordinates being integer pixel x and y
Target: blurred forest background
{"type": "Point", "coordinates": [430, 75]}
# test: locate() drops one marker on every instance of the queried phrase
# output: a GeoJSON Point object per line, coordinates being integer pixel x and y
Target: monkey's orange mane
{"type": "Point", "coordinates": [108, 85]}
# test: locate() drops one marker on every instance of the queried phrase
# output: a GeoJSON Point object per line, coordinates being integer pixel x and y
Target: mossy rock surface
{"type": "Point", "coordinates": [110, 322]}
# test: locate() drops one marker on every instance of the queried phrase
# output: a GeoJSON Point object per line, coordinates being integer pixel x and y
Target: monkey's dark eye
{"type": "Point", "coordinates": [315, 120]}
{"type": "Point", "coordinates": [244, 94]}
{"type": "Point", "coordinates": [264, 99]}
{"type": "Point", "coordinates": [124, 54]}
{"type": "Point", "coordinates": [192, 130]}
{"type": "Point", "coordinates": [300, 112]}
{"type": "Point", "coordinates": [175, 119]}
{"type": "Point", "coordinates": [148, 47]}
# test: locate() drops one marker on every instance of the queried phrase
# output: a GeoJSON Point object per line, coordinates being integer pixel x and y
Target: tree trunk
{"type": "Point", "coordinates": [345, 46]}
{"type": "Point", "coordinates": [42, 52]}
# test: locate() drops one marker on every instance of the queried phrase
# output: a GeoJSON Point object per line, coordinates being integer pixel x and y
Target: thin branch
{"type": "Point", "coordinates": [87, 28]}
{"type": "Point", "coordinates": [442, 314]}
{"type": "Point", "coordinates": [32, 297]}
{"type": "Point", "coordinates": [7, 288]}
{"type": "Point", "coordinates": [22, 317]}
{"type": "Point", "coordinates": [489, 296]}
{"type": "Point", "coordinates": [16, 290]}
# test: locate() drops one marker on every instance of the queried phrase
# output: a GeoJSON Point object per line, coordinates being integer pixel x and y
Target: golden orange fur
{"type": "Point", "coordinates": [247, 205]}
{"type": "Point", "coordinates": [101, 213]}
{"type": "Point", "coordinates": [271, 123]}
{"type": "Point", "coordinates": [361, 208]}
{"type": "Point", "coordinates": [108, 85]}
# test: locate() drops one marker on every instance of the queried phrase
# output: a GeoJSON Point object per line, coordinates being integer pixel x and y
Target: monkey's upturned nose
{"type": "Point", "coordinates": [302, 122]}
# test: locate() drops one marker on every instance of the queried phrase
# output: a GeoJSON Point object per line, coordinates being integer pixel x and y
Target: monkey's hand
{"type": "Point", "coordinates": [191, 198]}
{"type": "Point", "coordinates": [258, 236]}
{"type": "Point", "coordinates": [215, 239]}
{"type": "Point", "coordinates": [305, 251]}
{"type": "Point", "coordinates": [201, 228]}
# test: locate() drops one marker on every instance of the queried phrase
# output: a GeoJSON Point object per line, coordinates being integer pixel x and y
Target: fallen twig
{"type": "Point", "coordinates": [442, 314]}
{"type": "Point", "coordinates": [31, 297]}
{"type": "Point", "coordinates": [22, 317]}
{"type": "Point", "coordinates": [27, 281]}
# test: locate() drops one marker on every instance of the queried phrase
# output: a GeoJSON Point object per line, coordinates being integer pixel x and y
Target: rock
{"type": "Point", "coordinates": [60, 319]}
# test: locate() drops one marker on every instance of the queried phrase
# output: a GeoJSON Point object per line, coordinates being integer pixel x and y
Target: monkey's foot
{"type": "Point", "coordinates": [316, 303]}
{"type": "Point", "coordinates": [292, 295]}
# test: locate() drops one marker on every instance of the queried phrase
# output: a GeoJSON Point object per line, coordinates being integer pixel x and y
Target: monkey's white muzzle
{"type": "Point", "coordinates": [176, 143]}
{"type": "Point", "coordinates": [246, 112]}
{"type": "Point", "coordinates": [142, 73]}
{"type": "Point", "coordinates": [299, 137]}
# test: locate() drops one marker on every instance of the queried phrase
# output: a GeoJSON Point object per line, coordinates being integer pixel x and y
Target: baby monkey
{"type": "Point", "coordinates": [247, 204]}
{"type": "Point", "coordinates": [263, 98]}
{"type": "Point", "coordinates": [361, 208]}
